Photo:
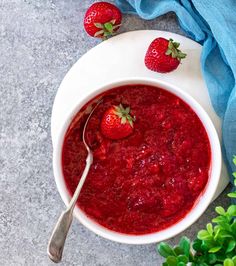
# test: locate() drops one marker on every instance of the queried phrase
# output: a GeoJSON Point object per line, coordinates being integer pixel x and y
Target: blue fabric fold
{"type": "Point", "coordinates": [212, 24]}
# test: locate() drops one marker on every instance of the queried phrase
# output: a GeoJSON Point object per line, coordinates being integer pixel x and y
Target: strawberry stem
{"type": "Point", "coordinates": [107, 29]}
{"type": "Point", "coordinates": [174, 51]}
{"type": "Point", "coordinates": [124, 114]}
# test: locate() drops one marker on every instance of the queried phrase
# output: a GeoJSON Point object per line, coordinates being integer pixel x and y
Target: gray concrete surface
{"type": "Point", "coordinates": [39, 42]}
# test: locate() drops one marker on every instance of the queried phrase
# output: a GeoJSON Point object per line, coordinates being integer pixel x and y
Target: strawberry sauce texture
{"type": "Point", "coordinates": [149, 180]}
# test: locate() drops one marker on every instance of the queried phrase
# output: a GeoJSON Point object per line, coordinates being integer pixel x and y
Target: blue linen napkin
{"type": "Point", "coordinates": [212, 23]}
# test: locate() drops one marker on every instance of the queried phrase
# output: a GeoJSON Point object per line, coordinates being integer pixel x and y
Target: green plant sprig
{"type": "Point", "coordinates": [215, 245]}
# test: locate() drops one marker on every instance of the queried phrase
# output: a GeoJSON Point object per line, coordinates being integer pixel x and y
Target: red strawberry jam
{"type": "Point", "coordinates": [148, 181]}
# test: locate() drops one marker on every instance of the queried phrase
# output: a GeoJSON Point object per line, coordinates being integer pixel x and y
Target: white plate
{"type": "Point", "coordinates": [123, 56]}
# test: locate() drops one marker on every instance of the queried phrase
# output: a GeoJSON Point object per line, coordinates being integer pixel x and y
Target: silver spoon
{"type": "Point", "coordinates": [59, 234]}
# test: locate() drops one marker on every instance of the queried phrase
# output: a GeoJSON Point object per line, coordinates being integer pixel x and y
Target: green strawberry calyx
{"type": "Point", "coordinates": [124, 114]}
{"type": "Point", "coordinates": [107, 29]}
{"type": "Point", "coordinates": [174, 51]}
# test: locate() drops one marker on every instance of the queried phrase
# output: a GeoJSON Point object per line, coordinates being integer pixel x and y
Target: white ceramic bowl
{"type": "Point", "coordinates": [199, 207]}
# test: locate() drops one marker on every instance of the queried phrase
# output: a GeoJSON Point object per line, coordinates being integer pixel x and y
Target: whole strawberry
{"type": "Point", "coordinates": [163, 55]}
{"type": "Point", "coordinates": [102, 19]}
{"type": "Point", "coordinates": [117, 123]}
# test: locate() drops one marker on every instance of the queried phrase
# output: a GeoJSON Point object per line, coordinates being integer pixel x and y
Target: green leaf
{"type": "Point", "coordinates": [100, 32]}
{"type": "Point", "coordinates": [225, 226]}
{"type": "Point", "coordinates": [228, 262]}
{"type": "Point", "coordinates": [182, 55]}
{"type": "Point", "coordinates": [176, 44]}
{"type": "Point", "coordinates": [116, 26]}
{"type": "Point", "coordinates": [233, 227]}
{"type": "Point", "coordinates": [98, 25]}
{"type": "Point", "coordinates": [234, 174]}
{"type": "Point", "coordinates": [183, 258]}
{"type": "Point", "coordinates": [232, 210]}
{"type": "Point", "coordinates": [224, 234]}
{"type": "Point", "coordinates": [232, 195]}
{"type": "Point", "coordinates": [174, 51]}
{"type": "Point", "coordinates": [219, 219]}
{"type": "Point", "coordinates": [181, 264]}
{"type": "Point", "coordinates": [216, 228]}
{"type": "Point", "coordinates": [204, 235]}
{"type": "Point", "coordinates": [168, 52]}
{"type": "Point", "coordinates": [170, 45]}
{"type": "Point", "coordinates": [178, 250]}
{"type": "Point", "coordinates": [184, 243]}
{"type": "Point", "coordinates": [113, 21]}
{"type": "Point", "coordinates": [109, 27]}
{"type": "Point", "coordinates": [231, 246]}
{"type": "Point", "coordinates": [212, 258]}
{"type": "Point", "coordinates": [204, 246]}
{"type": "Point", "coordinates": [106, 34]}
{"type": "Point", "coordinates": [127, 110]}
{"type": "Point", "coordinates": [214, 249]}
{"type": "Point", "coordinates": [209, 228]}
{"type": "Point", "coordinates": [172, 261]}
{"type": "Point", "coordinates": [220, 210]}
{"type": "Point", "coordinates": [230, 254]}
{"type": "Point", "coordinates": [234, 260]}
{"type": "Point", "coordinates": [165, 250]}
{"type": "Point", "coordinates": [174, 55]}
{"type": "Point", "coordinates": [220, 257]}
{"type": "Point", "coordinates": [123, 120]}
{"type": "Point", "coordinates": [234, 160]}
{"type": "Point", "coordinates": [197, 245]}
{"type": "Point", "coordinates": [217, 233]}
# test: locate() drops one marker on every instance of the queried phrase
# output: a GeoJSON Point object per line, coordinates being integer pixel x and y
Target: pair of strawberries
{"type": "Point", "coordinates": [102, 20]}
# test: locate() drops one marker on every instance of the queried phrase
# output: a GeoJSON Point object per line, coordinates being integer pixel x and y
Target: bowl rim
{"type": "Point", "coordinates": [200, 205]}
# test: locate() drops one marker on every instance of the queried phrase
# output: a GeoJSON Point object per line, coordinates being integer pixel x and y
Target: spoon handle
{"type": "Point", "coordinates": [89, 161]}
{"type": "Point", "coordinates": [58, 237]}
{"type": "Point", "coordinates": [59, 234]}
